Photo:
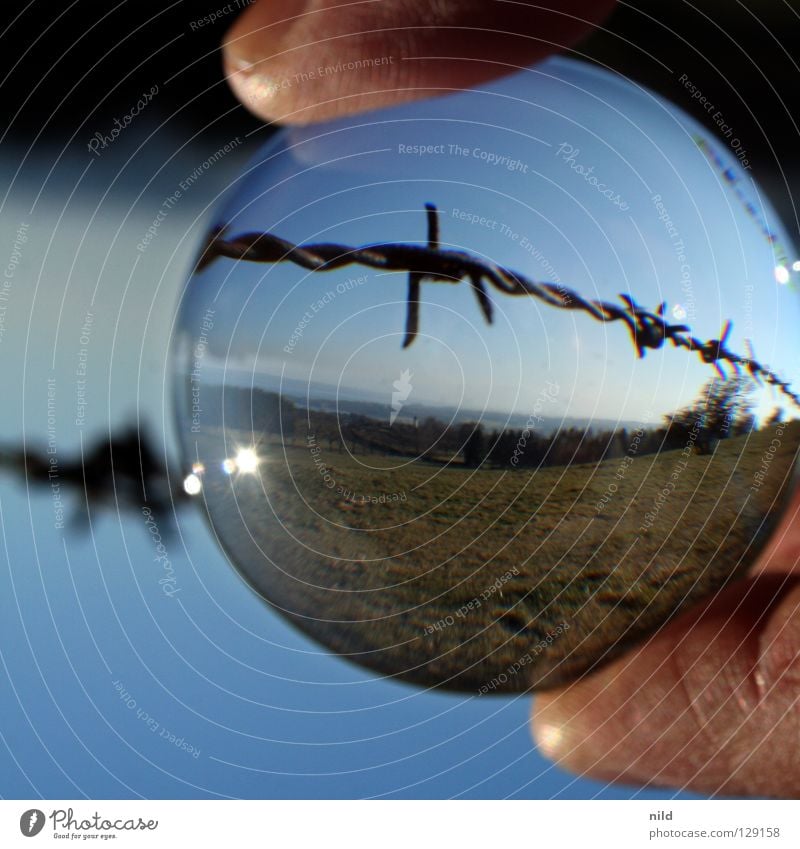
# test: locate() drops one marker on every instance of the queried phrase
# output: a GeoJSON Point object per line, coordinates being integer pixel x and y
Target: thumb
{"type": "Point", "coordinates": [711, 702]}
{"type": "Point", "coordinates": [308, 60]}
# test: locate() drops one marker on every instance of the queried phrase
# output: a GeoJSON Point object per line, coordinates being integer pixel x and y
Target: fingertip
{"type": "Point", "coordinates": [302, 61]}
{"type": "Point", "coordinates": [577, 728]}
{"type": "Point", "coordinates": [782, 553]}
{"type": "Point", "coordinates": [710, 703]}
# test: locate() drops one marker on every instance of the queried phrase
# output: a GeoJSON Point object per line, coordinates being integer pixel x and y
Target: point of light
{"type": "Point", "coordinates": [550, 738]}
{"type": "Point", "coordinates": [198, 468]}
{"type": "Point", "coordinates": [796, 265]}
{"type": "Point", "coordinates": [192, 485]}
{"type": "Point", "coordinates": [229, 466]}
{"type": "Point", "coordinates": [247, 461]}
{"type": "Point", "coordinates": [782, 274]}
{"type": "Point", "coordinates": [678, 312]}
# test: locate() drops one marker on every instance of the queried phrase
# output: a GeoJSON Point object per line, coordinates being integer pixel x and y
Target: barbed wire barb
{"type": "Point", "coordinates": [432, 263]}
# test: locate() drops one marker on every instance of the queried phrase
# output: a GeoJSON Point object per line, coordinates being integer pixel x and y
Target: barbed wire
{"type": "Point", "coordinates": [648, 329]}
{"type": "Point", "coordinates": [121, 472]}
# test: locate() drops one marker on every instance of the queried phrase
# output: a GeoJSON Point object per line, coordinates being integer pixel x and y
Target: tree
{"type": "Point", "coordinates": [473, 445]}
{"type": "Point", "coordinates": [775, 417]}
{"type": "Point", "coordinates": [722, 409]}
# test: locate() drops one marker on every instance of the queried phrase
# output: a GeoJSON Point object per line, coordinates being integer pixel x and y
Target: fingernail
{"type": "Point", "coordinates": [250, 85]}
{"type": "Point", "coordinates": [252, 44]}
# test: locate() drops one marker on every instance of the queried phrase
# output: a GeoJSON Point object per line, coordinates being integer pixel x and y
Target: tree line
{"type": "Point", "coordinates": [723, 409]}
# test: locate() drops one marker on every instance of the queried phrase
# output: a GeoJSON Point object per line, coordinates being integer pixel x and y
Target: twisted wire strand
{"type": "Point", "coordinates": [648, 330]}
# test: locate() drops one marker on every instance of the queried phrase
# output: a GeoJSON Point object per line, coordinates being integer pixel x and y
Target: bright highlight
{"type": "Point", "coordinates": [192, 484]}
{"type": "Point", "coordinates": [247, 461]}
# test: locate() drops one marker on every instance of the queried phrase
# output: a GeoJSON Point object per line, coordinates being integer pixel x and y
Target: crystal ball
{"type": "Point", "coordinates": [480, 391]}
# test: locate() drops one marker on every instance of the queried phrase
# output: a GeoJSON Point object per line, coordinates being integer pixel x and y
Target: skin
{"type": "Point", "coordinates": [711, 702]}
{"type": "Point", "coordinates": [434, 47]}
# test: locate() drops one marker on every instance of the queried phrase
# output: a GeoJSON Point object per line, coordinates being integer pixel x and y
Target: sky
{"type": "Point", "coordinates": [110, 687]}
{"type": "Point", "coordinates": [566, 175]}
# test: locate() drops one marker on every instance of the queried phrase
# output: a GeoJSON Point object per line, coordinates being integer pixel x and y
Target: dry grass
{"type": "Point", "coordinates": [377, 579]}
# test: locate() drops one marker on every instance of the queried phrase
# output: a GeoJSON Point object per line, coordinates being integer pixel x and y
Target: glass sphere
{"type": "Point", "coordinates": [481, 390]}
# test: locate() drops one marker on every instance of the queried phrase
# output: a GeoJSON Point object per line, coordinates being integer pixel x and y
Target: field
{"type": "Point", "coordinates": [491, 578]}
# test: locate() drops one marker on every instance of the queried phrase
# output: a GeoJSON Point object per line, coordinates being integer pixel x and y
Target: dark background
{"type": "Point", "coordinates": [68, 69]}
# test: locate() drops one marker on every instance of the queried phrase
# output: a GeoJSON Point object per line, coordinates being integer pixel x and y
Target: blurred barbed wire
{"type": "Point", "coordinates": [122, 472]}
{"type": "Point", "coordinates": [648, 329]}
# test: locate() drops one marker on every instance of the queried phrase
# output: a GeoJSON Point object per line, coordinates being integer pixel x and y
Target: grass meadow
{"type": "Point", "coordinates": [508, 579]}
